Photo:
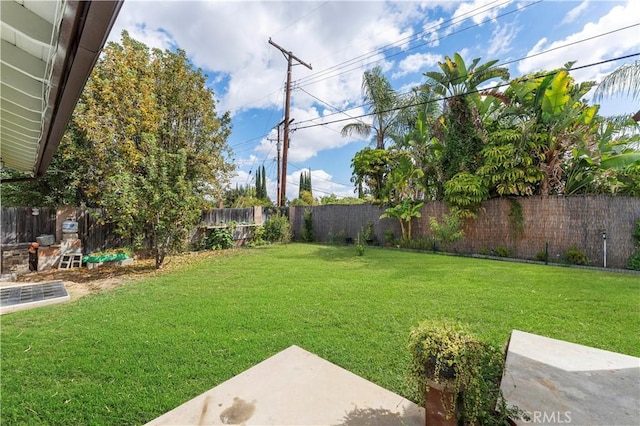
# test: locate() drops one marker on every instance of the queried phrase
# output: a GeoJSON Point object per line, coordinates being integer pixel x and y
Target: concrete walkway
{"type": "Point", "coordinates": [295, 387]}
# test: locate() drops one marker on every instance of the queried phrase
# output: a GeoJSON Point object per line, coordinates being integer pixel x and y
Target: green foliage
{"type": "Point", "coordinates": [575, 256]}
{"type": "Point", "coordinates": [257, 238]}
{"type": "Point", "coordinates": [503, 251]}
{"type": "Point", "coordinates": [145, 142]}
{"type": "Point", "coordinates": [389, 237]}
{"type": "Point", "coordinates": [465, 192]}
{"type": "Point", "coordinates": [308, 234]}
{"type": "Point", "coordinates": [219, 238]}
{"type": "Point", "coordinates": [360, 245]}
{"type": "Point", "coordinates": [261, 184]}
{"type": "Point", "coordinates": [510, 170]}
{"type": "Point", "coordinates": [404, 212]}
{"type": "Point", "coordinates": [636, 234]}
{"type": "Point", "coordinates": [370, 168]}
{"type": "Point", "coordinates": [339, 238]}
{"type": "Point", "coordinates": [449, 230]}
{"type": "Point", "coordinates": [277, 229]}
{"type": "Point", "coordinates": [333, 199]}
{"type": "Point", "coordinates": [305, 184]}
{"type": "Point", "coordinates": [306, 199]}
{"type": "Point", "coordinates": [421, 244]}
{"type": "Point", "coordinates": [541, 256]}
{"type": "Point", "coordinates": [447, 353]}
{"type": "Point", "coordinates": [368, 236]}
{"type": "Point", "coordinates": [516, 218]}
{"type": "Point", "coordinates": [634, 262]}
{"type": "Point", "coordinates": [382, 101]}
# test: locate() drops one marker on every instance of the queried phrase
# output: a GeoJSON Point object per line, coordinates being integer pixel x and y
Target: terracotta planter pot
{"type": "Point", "coordinates": [440, 405]}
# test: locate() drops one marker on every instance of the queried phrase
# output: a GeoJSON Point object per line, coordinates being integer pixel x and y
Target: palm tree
{"type": "Point", "coordinates": [458, 84]}
{"type": "Point", "coordinates": [383, 102]}
{"type": "Point", "coordinates": [625, 79]}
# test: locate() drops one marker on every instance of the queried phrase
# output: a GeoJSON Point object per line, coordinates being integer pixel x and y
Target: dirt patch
{"type": "Point", "coordinates": [83, 281]}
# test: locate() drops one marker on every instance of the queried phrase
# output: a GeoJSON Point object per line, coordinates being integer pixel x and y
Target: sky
{"type": "Point", "coordinates": [229, 41]}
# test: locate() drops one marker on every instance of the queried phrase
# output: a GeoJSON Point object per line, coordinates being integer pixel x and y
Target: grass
{"type": "Point", "coordinates": [128, 355]}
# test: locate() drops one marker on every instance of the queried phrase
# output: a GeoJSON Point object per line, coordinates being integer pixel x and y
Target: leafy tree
{"type": "Point", "coordinates": [305, 199]}
{"type": "Point", "coordinates": [370, 170]}
{"type": "Point", "coordinates": [155, 148]}
{"type": "Point", "coordinates": [333, 199]}
{"type": "Point", "coordinates": [383, 102]}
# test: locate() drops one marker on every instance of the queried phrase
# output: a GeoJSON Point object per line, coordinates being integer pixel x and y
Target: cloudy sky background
{"type": "Point", "coordinates": [228, 40]}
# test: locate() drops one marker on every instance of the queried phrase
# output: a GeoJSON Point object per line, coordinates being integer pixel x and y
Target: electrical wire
{"type": "Point", "coordinates": [463, 94]}
{"type": "Point", "coordinates": [452, 21]}
{"type": "Point", "coordinates": [509, 62]}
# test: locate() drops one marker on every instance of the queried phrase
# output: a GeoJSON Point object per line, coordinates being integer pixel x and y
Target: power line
{"type": "Point", "coordinates": [397, 43]}
{"type": "Point", "coordinates": [319, 178]}
{"type": "Point", "coordinates": [505, 63]}
{"type": "Point", "coordinates": [463, 94]}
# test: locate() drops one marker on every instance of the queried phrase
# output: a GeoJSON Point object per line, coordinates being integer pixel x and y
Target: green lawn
{"type": "Point", "coordinates": [128, 355]}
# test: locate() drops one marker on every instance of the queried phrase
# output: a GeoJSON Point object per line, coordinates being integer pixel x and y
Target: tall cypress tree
{"type": "Point", "coordinates": [301, 185]}
{"type": "Point", "coordinates": [263, 182]}
{"type": "Point", "coordinates": [258, 184]}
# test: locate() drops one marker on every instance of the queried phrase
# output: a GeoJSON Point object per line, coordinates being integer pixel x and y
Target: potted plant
{"type": "Point", "coordinates": [459, 376]}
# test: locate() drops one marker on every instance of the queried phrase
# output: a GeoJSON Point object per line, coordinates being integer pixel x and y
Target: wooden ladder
{"type": "Point", "coordinates": [70, 260]}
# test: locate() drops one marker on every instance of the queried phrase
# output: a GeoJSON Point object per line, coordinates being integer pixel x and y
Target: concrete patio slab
{"type": "Point", "coordinates": [558, 382]}
{"type": "Point", "coordinates": [296, 387]}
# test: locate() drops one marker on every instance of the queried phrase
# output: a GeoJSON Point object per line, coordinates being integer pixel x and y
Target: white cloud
{"type": "Point", "coordinates": [305, 143]}
{"type": "Point", "coordinates": [478, 11]}
{"type": "Point", "coordinates": [322, 184]}
{"type": "Point", "coordinates": [574, 13]}
{"type": "Point", "coordinates": [502, 39]}
{"type": "Point", "coordinates": [592, 51]}
{"type": "Point", "coordinates": [430, 32]}
{"type": "Point", "coordinates": [231, 37]}
{"type": "Point", "coordinates": [418, 62]}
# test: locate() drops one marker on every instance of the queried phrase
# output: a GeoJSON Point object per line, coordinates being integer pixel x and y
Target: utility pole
{"type": "Point", "coordinates": [285, 145]}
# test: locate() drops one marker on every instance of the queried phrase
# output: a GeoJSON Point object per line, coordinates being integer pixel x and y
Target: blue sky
{"type": "Point", "coordinates": [228, 40]}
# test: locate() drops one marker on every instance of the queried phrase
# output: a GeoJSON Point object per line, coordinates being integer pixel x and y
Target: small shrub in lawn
{"type": "Point", "coordinates": [541, 256]}
{"type": "Point", "coordinates": [503, 251]}
{"type": "Point", "coordinates": [634, 262]}
{"type": "Point", "coordinates": [219, 239]}
{"type": "Point", "coordinates": [575, 256]}
{"type": "Point", "coordinates": [277, 229]}
{"type": "Point", "coordinates": [484, 251]}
